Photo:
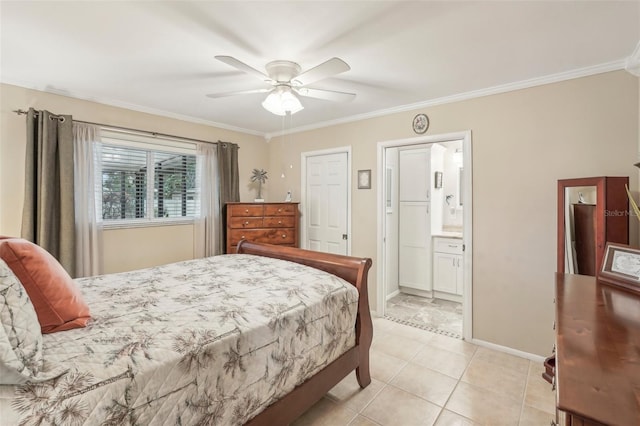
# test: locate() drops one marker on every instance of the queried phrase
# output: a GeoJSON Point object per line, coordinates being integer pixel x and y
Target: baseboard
{"type": "Point", "coordinates": [416, 292]}
{"type": "Point", "coordinates": [394, 294]}
{"type": "Point", "coordinates": [506, 349]}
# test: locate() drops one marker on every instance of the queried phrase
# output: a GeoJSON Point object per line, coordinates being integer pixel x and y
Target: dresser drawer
{"type": "Point", "coordinates": [271, 236]}
{"type": "Point", "coordinates": [240, 210]}
{"type": "Point", "coordinates": [447, 245]}
{"type": "Point", "coordinates": [279, 222]}
{"type": "Point", "coordinates": [280, 209]}
{"type": "Point", "coordinates": [246, 222]}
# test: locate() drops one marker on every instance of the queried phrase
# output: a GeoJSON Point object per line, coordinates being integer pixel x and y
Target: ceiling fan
{"type": "Point", "coordinates": [287, 80]}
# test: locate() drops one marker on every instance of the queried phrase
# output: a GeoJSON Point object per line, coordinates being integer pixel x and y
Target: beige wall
{"type": "Point", "coordinates": [522, 143]}
{"type": "Point", "coordinates": [124, 249]}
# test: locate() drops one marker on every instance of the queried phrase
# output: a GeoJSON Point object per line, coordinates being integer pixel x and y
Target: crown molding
{"type": "Point", "coordinates": [134, 107]}
{"type": "Point", "coordinates": [524, 84]}
{"type": "Point", "coordinates": [633, 62]}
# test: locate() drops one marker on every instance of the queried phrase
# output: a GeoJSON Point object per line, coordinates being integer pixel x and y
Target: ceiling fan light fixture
{"type": "Point", "coordinates": [282, 101]}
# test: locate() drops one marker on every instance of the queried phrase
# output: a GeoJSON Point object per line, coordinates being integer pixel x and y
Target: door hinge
{"type": "Point", "coordinates": [344, 236]}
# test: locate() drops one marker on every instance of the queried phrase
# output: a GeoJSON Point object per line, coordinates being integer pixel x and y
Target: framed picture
{"type": "Point", "coordinates": [364, 179]}
{"type": "Point", "coordinates": [621, 266]}
{"type": "Point", "coordinates": [437, 183]}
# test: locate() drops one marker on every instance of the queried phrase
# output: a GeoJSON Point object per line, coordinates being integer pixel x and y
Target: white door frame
{"type": "Point", "coordinates": [303, 191]}
{"type": "Point", "coordinates": [467, 297]}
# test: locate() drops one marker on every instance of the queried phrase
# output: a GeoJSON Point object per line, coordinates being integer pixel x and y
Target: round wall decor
{"type": "Point", "coordinates": [420, 123]}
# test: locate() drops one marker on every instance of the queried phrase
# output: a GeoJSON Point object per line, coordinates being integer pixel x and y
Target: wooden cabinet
{"type": "Point", "coordinates": [447, 267]}
{"type": "Point", "coordinates": [597, 360]}
{"type": "Point", "coordinates": [579, 225]}
{"type": "Point", "coordinates": [273, 223]}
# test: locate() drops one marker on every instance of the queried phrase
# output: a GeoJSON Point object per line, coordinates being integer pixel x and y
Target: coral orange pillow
{"type": "Point", "coordinates": [55, 297]}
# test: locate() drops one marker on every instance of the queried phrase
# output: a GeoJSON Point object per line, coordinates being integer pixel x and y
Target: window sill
{"type": "Point", "coordinates": [147, 223]}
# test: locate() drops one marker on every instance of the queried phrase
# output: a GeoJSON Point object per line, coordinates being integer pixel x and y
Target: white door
{"type": "Point", "coordinates": [415, 245]}
{"type": "Point", "coordinates": [415, 175]}
{"type": "Point", "coordinates": [326, 203]}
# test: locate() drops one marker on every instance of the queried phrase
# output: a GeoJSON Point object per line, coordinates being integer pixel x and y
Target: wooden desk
{"type": "Point", "coordinates": [597, 353]}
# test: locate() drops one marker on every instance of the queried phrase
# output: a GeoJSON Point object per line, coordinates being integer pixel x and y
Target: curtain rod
{"type": "Point", "coordinates": [127, 129]}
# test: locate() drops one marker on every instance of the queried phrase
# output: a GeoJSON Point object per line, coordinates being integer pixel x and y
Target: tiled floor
{"type": "Point", "coordinates": [423, 378]}
{"type": "Point", "coordinates": [439, 316]}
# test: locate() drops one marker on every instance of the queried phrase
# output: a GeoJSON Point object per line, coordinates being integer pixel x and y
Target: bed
{"type": "Point", "coordinates": [251, 338]}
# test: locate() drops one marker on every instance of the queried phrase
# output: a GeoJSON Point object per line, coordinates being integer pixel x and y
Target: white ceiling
{"type": "Point", "coordinates": [159, 56]}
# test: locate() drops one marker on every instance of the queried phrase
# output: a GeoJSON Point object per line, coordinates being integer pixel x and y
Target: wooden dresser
{"type": "Point", "coordinates": [597, 364]}
{"type": "Point", "coordinates": [273, 223]}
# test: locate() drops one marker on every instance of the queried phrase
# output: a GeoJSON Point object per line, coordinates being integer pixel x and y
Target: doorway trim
{"type": "Point", "coordinates": [303, 191]}
{"type": "Point", "coordinates": [467, 236]}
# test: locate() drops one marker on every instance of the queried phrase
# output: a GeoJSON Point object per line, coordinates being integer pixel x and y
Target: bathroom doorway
{"type": "Point", "coordinates": [424, 232]}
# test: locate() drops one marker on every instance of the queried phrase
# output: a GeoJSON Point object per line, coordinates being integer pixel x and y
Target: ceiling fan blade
{"type": "Point", "coordinates": [328, 95]}
{"type": "Point", "coordinates": [326, 69]}
{"type": "Point", "coordinates": [241, 92]}
{"type": "Point", "coordinates": [230, 60]}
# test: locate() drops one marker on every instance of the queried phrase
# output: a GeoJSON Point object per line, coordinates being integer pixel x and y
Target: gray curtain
{"type": "Point", "coordinates": [229, 180]}
{"type": "Point", "coordinates": [48, 215]}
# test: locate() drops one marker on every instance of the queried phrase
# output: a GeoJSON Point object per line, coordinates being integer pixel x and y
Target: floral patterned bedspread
{"type": "Point", "coordinates": [201, 342]}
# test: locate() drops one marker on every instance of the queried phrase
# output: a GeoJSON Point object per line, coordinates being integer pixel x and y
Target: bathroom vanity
{"type": "Point", "coordinates": [448, 268]}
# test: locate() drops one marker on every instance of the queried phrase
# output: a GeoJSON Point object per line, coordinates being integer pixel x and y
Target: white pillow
{"type": "Point", "coordinates": [21, 356]}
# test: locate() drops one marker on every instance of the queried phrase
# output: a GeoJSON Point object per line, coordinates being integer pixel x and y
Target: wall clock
{"type": "Point", "coordinates": [420, 123]}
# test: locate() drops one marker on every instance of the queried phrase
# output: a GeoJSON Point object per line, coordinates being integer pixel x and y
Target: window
{"type": "Point", "coordinates": [145, 179]}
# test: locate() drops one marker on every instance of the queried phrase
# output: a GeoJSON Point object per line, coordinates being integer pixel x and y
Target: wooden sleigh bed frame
{"type": "Point", "coordinates": [352, 269]}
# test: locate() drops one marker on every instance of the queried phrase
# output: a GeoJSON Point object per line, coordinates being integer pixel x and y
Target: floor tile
{"type": "Point", "coordinates": [443, 361]}
{"type": "Point", "coordinates": [397, 346]}
{"type": "Point", "coordinates": [452, 344]}
{"type": "Point", "coordinates": [326, 413]}
{"type": "Point", "coordinates": [534, 417]}
{"type": "Point", "coordinates": [504, 360]}
{"type": "Point", "coordinates": [487, 375]}
{"type": "Point", "coordinates": [449, 418]}
{"type": "Point", "coordinates": [538, 393]}
{"type": "Point", "coordinates": [393, 407]}
{"type": "Point", "coordinates": [439, 315]}
{"type": "Point", "coordinates": [426, 383]}
{"type": "Point", "coordinates": [484, 406]}
{"type": "Point", "coordinates": [384, 367]}
{"type": "Point", "coordinates": [476, 385]}
{"type": "Point", "coordinates": [349, 393]}
{"type": "Point", "coordinates": [416, 334]}
{"type": "Point", "coordinates": [363, 421]}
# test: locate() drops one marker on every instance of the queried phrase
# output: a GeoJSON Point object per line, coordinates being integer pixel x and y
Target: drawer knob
{"type": "Point", "coordinates": [279, 222]}
{"type": "Point", "coordinates": [242, 237]}
{"type": "Point", "coordinates": [246, 210]}
{"type": "Point", "coordinates": [284, 235]}
{"type": "Point", "coordinates": [246, 223]}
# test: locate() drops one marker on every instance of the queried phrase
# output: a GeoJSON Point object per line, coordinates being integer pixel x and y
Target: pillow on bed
{"type": "Point", "coordinates": [55, 297]}
{"type": "Point", "coordinates": [21, 357]}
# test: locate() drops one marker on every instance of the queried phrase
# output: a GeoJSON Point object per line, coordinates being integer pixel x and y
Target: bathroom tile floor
{"type": "Point", "coordinates": [424, 378]}
{"type": "Point", "coordinates": [436, 315]}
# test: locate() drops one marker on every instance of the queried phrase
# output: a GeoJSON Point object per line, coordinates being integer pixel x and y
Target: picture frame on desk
{"type": "Point", "coordinates": [621, 267]}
